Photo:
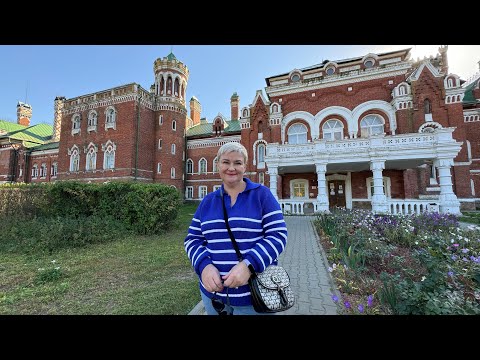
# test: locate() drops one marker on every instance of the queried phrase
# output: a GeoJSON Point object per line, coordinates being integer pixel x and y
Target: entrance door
{"type": "Point", "coordinates": [336, 193]}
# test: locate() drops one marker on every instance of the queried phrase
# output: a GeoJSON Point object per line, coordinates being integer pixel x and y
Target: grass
{"type": "Point", "coordinates": [472, 217]}
{"type": "Point", "coordinates": [141, 275]}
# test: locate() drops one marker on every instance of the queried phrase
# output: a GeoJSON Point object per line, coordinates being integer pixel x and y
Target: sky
{"type": "Point", "coordinates": [36, 74]}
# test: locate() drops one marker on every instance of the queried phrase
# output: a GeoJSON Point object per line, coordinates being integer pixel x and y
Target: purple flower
{"type": "Point", "coordinates": [347, 305]}
{"type": "Point", "coordinates": [370, 300]}
{"type": "Point", "coordinates": [335, 298]}
{"type": "Point", "coordinates": [360, 308]}
{"type": "Point", "coordinates": [464, 251]}
{"type": "Point", "coordinates": [450, 273]}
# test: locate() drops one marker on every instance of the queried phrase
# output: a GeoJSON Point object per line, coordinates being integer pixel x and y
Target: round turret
{"type": "Point", "coordinates": [171, 78]}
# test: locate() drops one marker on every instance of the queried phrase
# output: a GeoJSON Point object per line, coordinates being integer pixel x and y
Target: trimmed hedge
{"type": "Point", "coordinates": [144, 208]}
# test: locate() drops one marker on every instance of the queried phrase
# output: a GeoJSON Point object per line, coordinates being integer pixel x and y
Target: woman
{"type": "Point", "coordinates": [257, 224]}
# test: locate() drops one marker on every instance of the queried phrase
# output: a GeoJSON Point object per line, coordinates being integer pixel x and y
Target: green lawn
{"type": "Point", "coordinates": [134, 275]}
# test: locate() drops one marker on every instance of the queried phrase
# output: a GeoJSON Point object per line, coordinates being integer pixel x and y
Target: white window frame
{"type": "Point", "coordinates": [189, 192]}
{"type": "Point", "coordinates": [173, 149]}
{"type": "Point", "coordinates": [332, 130]}
{"type": "Point", "coordinates": [174, 125]}
{"type": "Point", "coordinates": [159, 168]}
{"type": "Point", "coordinates": [190, 164]}
{"type": "Point", "coordinates": [302, 182]}
{"type": "Point", "coordinates": [92, 121]}
{"type": "Point", "coordinates": [294, 138]}
{"type": "Point", "coordinates": [386, 187]}
{"type": "Point", "coordinates": [43, 171]}
{"type": "Point", "coordinates": [53, 169]}
{"type": "Point", "coordinates": [160, 120]}
{"type": "Point", "coordinates": [76, 123]}
{"type": "Point", "coordinates": [366, 129]}
{"type": "Point", "coordinates": [215, 165]}
{"type": "Point", "coordinates": [201, 164]}
{"type": "Point", "coordinates": [110, 118]}
{"type": "Point", "coordinates": [216, 187]}
{"type": "Point", "coordinates": [202, 191]}
{"type": "Point", "coordinates": [109, 149]}
{"type": "Point", "coordinates": [34, 171]}
{"type": "Point", "coordinates": [172, 173]}
{"type": "Point", "coordinates": [159, 144]}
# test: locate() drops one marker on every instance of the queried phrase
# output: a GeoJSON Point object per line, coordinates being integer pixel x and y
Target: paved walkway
{"type": "Point", "coordinates": [306, 263]}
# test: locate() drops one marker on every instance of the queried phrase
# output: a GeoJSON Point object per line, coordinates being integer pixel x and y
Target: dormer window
{"type": "Point", "coordinates": [369, 63]}
{"type": "Point", "coordinates": [330, 71]}
{"type": "Point", "coordinates": [295, 77]}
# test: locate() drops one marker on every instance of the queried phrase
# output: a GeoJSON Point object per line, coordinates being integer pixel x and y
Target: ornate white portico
{"type": "Point", "coordinates": [375, 153]}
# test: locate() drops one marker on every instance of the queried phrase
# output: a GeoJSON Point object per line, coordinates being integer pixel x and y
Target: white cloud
{"type": "Point", "coordinates": [462, 59]}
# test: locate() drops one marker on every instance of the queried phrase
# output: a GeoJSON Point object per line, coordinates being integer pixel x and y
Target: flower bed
{"type": "Point", "coordinates": [415, 264]}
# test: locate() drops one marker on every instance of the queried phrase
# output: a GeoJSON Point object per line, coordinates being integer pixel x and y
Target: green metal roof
{"type": "Point", "coordinates": [10, 127]}
{"type": "Point", "coordinates": [468, 98]}
{"type": "Point", "coordinates": [31, 136]}
{"type": "Point", "coordinates": [47, 146]}
{"type": "Point", "coordinates": [40, 133]}
{"type": "Point", "coordinates": [205, 128]}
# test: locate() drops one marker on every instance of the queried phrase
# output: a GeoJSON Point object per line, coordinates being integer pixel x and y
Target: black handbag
{"type": "Point", "coordinates": [270, 290]}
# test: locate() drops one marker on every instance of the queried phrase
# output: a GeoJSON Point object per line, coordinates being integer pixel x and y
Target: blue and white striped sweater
{"type": "Point", "coordinates": [257, 224]}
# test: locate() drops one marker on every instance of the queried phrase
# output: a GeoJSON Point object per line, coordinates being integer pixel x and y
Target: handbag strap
{"type": "Point", "coordinates": [225, 216]}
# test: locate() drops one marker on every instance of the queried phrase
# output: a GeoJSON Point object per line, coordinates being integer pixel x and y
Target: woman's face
{"type": "Point", "coordinates": [232, 167]}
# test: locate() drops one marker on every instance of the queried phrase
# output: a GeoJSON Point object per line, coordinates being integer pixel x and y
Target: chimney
{"type": "Point", "coordinates": [57, 121]}
{"type": "Point", "coordinates": [24, 114]}
{"type": "Point", "coordinates": [234, 102]}
{"type": "Point", "coordinates": [195, 110]}
{"type": "Point", "coordinates": [443, 53]}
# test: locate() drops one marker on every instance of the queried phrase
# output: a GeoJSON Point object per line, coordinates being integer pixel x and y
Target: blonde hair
{"type": "Point", "coordinates": [233, 147]}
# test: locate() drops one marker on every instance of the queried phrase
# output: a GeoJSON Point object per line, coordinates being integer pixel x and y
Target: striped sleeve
{"type": "Point", "coordinates": [194, 245]}
{"type": "Point", "coordinates": [266, 251]}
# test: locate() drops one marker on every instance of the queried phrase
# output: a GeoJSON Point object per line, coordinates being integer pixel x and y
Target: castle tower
{"type": "Point", "coordinates": [170, 88]}
{"type": "Point", "coordinates": [57, 117]}
{"type": "Point", "coordinates": [24, 114]}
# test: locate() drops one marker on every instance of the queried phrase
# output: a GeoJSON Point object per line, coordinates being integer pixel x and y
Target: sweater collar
{"type": "Point", "coordinates": [250, 185]}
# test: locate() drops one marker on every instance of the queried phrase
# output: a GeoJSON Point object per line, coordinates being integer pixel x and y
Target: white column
{"type": "Point", "coordinates": [273, 172]}
{"type": "Point", "coordinates": [448, 200]}
{"type": "Point", "coordinates": [379, 200]}
{"type": "Point", "coordinates": [322, 196]}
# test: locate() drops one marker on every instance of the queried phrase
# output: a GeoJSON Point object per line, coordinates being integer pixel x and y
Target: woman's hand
{"type": "Point", "coordinates": [237, 276]}
{"type": "Point", "coordinates": [211, 278]}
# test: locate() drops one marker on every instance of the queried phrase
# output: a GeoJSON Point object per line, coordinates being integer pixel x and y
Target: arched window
{"type": "Point", "coordinates": [35, 171]}
{"type": "Point", "coordinates": [215, 165]}
{"type": "Point", "coordinates": [43, 170]}
{"type": "Point", "coordinates": [172, 173]}
{"type": "Point", "coordinates": [110, 118]}
{"type": "Point", "coordinates": [92, 121]}
{"type": "Point", "coordinates": [189, 166]}
{"type": "Point", "coordinates": [401, 90]}
{"type": "Point", "coordinates": [74, 160]}
{"type": "Point", "coordinates": [371, 125]}
{"type": "Point", "coordinates": [333, 130]}
{"type": "Point", "coordinates": [297, 134]}
{"type": "Point", "coordinates": [173, 149]}
{"type": "Point", "coordinates": [109, 155]}
{"type": "Point", "coordinates": [261, 153]}
{"type": "Point", "coordinates": [427, 107]}
{"type": "Point", "coordinates": [450, 82]}
{"type": "Point", "coordinates": [202, 165]}
{"type": "Point", "coordinates": [76, 124]}
{"type": "Point", "coordinates": [174, 125]}
{"type": "Point", "coordinates": [91, 160]}
{"type": "Point", "coordinates": [54, 169]}
{"type": "Point", "coordinates": [245, 113]}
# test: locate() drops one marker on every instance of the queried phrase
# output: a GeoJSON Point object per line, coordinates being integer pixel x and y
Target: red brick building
{"type": "Point", "coordinates": [378, 131]}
